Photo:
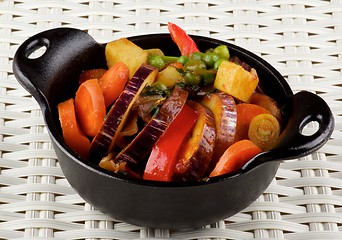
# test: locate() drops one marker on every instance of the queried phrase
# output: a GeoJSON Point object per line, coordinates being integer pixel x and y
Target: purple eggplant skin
{"type": "Point", "coordinates": [223, 107]}
{"type": "Point", "coordinates": [142, 144]}
{"type": "Point", "coordinates": [196, 154]}
{"type": "Point", "coordinates": [104, 141]}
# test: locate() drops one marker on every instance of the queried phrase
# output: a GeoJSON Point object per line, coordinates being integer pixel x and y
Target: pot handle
{"type": "Point", "coordinates": [301, 109]}
{"type": "Point", "coordinates": [63, 48]}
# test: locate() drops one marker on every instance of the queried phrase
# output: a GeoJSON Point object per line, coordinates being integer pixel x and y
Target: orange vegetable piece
{"type": "Point", "coordinates": [177, 65]}
{"type": "Point", "coordinates": [72, 134]}
{"type": "Point", "coordinates": [235, 157]}
{"type": "Point", "coordinates": [245, 113]}
{"type": "Point", "coordinates": [90, 107]}
{"type": "Point", "coordinates": [185, 43]}
{"type": "Point", "coordinates": [113, 82]}
{"type": "Point", "coordinates": [91, 74]}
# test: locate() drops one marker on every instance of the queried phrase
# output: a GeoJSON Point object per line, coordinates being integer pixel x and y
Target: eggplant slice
{"type": "Point", "coordinates": [142, 144]}
{"type": "Point", "coordinates": [104, 141]}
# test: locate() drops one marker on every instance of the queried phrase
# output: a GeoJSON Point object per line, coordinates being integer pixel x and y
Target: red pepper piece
{"type": "Point", "coordinates": [184, 42]}
{"type": "Point", "coordinates": [161, 163]}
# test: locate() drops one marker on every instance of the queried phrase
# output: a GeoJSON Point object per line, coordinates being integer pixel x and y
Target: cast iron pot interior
{"type": "Point", "coordinates": [52, 78]}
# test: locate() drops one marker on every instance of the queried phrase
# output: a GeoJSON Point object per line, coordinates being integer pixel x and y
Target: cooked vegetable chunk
{"type": "Point", "coordinates": [90, 107]}
{"type": "Point", "coordinates": [169, 76]}
{"type": "Point", "coordinates": [235, 157]}
{"type": "Point", "coordinates": [113, 82]}
{"type": "Point", "coordinates": [236, 81]}
{"type": "Point", "coordinates": [264, 130]}
{"type": "Point", "coordinates": [245, 113]}
{"type": "Point", "coordinates": [123, 50]}
{"type": "Point", "coordinates": [184, 42]}
{"type": "Point", "coordinates": [72, 134]}
{"type": "Point", "coordinates": [223, 108]}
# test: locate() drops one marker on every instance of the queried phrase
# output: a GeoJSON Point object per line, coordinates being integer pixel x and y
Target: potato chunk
{"type": "Point", "coordinates": [123, 50]}
{"type": "Point", "coordinates": [236, 81]}
{"type": "Point", "coordinates": [169, 76]}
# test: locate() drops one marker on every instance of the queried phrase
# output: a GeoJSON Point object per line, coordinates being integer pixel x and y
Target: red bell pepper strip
{"type": "Point", "coordinates": [184, 42]}
{"type": "Point", "coordinates": [161, 163]}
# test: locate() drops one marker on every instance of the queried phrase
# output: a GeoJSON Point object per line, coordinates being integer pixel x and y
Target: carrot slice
{"type": "Point", "coordinates": [113, 82]}
{"type": "Point", "coordinates": [72, 134]}
{"type": "Point", "coordinates": [235, 157]}
{"type": "Point", "coordinates": [90, 107]}
{"type": "Point", "coordinates": [91, 74]}
{"type": "Point", "coordinates": [245, 113]}
{"type": "Point", "coordinates": [177, 65]}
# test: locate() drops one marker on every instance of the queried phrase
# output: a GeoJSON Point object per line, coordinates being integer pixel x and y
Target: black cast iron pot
{"type": "Point", "coordinates": [52, 78]}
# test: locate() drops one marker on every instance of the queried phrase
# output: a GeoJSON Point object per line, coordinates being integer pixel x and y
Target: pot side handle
{"type": "Point", "coordinates": [301, 109]}
{"type": "Point", "coordinates": [63, 48]}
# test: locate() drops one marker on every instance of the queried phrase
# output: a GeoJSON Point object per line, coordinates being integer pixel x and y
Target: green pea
{"type": "Point", "coordinates": [210, 50]}
{"type": "Point", "coordinates": [183, 59]}
{"type": "Point", "coordinates": [193, 65]}
{"type": "Point", "coordinates": [222, 51]}
{"type": "Point", "coordinates": [218, 63]}
{"type": "Point", "coordinates": [156, 61]}
{"type": "Point", "coordinates": [192, 79]}
{"type": "Point", "coordinates": [210, 58]}
{"type": "Point", "coordinates": [208, 79]}
{"type": "Point", "coordinates": [196, 56]}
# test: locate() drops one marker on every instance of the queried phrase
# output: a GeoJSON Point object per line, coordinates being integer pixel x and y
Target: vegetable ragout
{"type": "Point", "coordinates": [170, 118]}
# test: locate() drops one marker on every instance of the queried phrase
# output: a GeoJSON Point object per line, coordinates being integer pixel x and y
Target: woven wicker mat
{"type": "Point", "coordinates": [302, 39]}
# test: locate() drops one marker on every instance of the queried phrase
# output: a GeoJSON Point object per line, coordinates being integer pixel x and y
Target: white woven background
{"type": "Point", "coordinates": [302, 39]}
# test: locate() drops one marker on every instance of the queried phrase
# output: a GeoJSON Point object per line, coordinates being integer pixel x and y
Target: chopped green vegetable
{"type": "Point", "coordinates": [156, 61]}
{"type": "Point", "coordinates": [192, 79]}
{"type": "Point", "coordinates": [160, 62]}
{"type": "Point", "coordinates": [183, 59]}
{"type": "Point", "coordinates": [210, 59]}
{"type": "Point", "coordinates": [222, 51]}
{"type": "Point", "coordinates": [208, 79]}
{"type": "Point", "coordinates": [218, 63]}
{"type": "Point", "coordinates": [193, 65]}
{"type": "Point", "coordinates": [196, 56]}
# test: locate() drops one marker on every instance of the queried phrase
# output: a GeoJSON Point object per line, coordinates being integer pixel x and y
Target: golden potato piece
{"type": "Point", "coordinates": [236, 81]}
{"type": "Point", "coordinates": [123, 50]}
{"type": "Point", "coordinates": [169, 76]}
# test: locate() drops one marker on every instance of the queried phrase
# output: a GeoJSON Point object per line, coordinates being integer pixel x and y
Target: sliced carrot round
{"type": "Point", "coordinates": [90, 107]}
{"type": "Point", "coordinates": [72, 134]}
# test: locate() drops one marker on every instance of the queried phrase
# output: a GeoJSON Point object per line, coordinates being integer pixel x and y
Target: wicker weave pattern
{"type": "Point", "coordinates": [302, 39]}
